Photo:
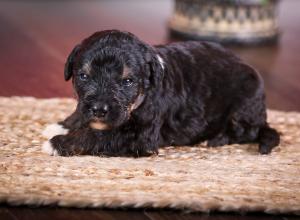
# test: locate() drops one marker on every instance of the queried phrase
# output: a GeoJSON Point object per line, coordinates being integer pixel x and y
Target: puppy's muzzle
{"type": "Point", "coordinates": [99, 110]}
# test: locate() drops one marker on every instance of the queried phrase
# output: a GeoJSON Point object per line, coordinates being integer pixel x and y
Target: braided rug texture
{"type": "Point", "coordinates": [229, 178]}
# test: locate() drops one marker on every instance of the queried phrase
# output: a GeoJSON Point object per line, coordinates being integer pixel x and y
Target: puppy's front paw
{"type": "Point", "coordinates": [49, 149]}
{"type": "Point", "coordinates": [64, 145]}
{"type": "Point", "coordinates": [53, 130]}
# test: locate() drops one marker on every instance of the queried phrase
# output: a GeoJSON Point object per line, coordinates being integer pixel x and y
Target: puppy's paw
{"type": "Point", "coordinates": [219, 140]}
{"type": "Point", "coordinates": [53, 130]}
{"type": "Point", "coordinates": [49, 149]}
{"type": "Point", "coordinates": [264, 149]}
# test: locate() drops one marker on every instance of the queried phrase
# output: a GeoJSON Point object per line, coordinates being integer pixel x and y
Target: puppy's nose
{"type": "Point", "coordinates": [99, 110]}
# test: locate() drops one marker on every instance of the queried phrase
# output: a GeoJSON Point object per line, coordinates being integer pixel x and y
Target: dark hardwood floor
{"type": "Point", "coordinates": [36, 37]}
{"type": "Point", "coordinates": [23, 213]}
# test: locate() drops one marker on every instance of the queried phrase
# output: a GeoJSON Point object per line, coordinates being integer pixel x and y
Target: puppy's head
{"type": "Point", "coordinates": [112, 73]}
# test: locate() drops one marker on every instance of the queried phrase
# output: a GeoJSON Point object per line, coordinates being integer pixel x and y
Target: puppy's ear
{"type": "Point", "coordinates": [70, 62]}
{"type": "Point", "coordinates": [157, 67]}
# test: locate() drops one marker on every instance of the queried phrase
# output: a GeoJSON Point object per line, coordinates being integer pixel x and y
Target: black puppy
{"type": "Point", "coordinates": [134, 98]}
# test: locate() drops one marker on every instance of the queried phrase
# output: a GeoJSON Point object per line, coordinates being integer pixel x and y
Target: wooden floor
{"type": "Point", "coordinates": [36, 37]}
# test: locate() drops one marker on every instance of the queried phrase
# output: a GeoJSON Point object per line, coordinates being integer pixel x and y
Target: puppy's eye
{"type": "Point", "coordinates": [83, 76]}
{"type": "Point", "coordinates": [127, 82]}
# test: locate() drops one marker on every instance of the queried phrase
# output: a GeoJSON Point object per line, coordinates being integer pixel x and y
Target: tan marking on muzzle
{"type": "Point", "coordinates": [99, 125]}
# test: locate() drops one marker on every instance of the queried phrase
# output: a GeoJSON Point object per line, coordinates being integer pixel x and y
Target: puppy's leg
{"type": "Point", "coordinates": [268, 139]}
{"type": "Point", "coordinates": [73, 122]}
{"type": "Point", "coordinates": [219, 140]}
{"type": "Point", "coordinates": [74, 143]}
{"type": "Point", "coordinates": [49, 132]}
{"type": "Point", "coordinates": [248, 125]}
{"type": "Point", "coordinates": [87, 141]}
{"type": "Point", "coordinates": [54, 129]}
{"type": "Point", "coordinates": [235, 133]}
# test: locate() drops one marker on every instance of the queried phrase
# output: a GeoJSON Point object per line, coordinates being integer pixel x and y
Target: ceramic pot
{"type": "Point", "coordinates": [228, 21]}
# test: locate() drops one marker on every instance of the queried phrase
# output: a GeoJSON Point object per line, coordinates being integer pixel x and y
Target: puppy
{"type": "Point", "coordinates": [134, 98]}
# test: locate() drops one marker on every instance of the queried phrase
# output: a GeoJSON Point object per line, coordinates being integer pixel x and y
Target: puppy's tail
{"type": "Point", "coordinates": [268, 138]}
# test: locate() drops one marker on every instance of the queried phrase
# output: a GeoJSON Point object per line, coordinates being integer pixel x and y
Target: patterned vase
{"type": "Point", "coordinates": [227, 21]}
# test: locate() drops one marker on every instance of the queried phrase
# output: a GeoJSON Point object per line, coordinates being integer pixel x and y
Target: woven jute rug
{"type": "Point", "coordinates": [229, 178]}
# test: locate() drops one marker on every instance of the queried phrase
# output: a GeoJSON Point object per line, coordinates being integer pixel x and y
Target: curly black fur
{"type": "Point", "coordinates": [188, 93]}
